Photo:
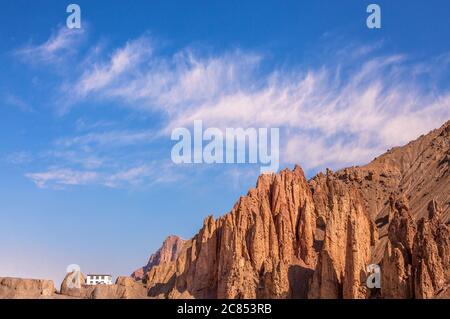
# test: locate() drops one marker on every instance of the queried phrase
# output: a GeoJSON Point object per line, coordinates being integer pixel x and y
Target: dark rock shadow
{"type": "Point", "coordinates": [382, 221]}
{"type": "Point", "coordinates": [162, 288]}
{"type": "Point", "coordinates": [299, 278]}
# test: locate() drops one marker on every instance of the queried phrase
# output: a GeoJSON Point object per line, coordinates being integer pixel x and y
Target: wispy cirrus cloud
{"type": "Point", "coordinates": [101, 75]}
{"type": "Point", "coordinates": [330, 120]}
{"type": "Point", "coordinates": [135, 75]}
{"type": "Point", "coordinates": [18, 103]}
{"type": "Point", "coordinates": [62, 44]}
{"type": "Point", "coordinates": [114, 138]}
{"type": "Point", "coordinates": [145, 174]}
{"type": "Point", "coordinates": [99, 158]}
{"type": "Point", "coordinates": [61, 177]}
{"type": "Point", "coordinates": [132, 175]}
{"type": "Point", "coordinates": [18, 158]}
{"type": "Point", "coordinates": [343, 111]}
{"type": "Point", "coordinates": [82, 124]}
{"type": "Point", "coordinates": [353, 107]}
{"type": "Point", "coordinates": [74, 158]}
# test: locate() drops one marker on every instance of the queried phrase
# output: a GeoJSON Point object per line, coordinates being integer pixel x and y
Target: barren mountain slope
{"type": "Point", "coordinates": [419, 171]}
{"type": "Point", "coordinates": [293, 238]}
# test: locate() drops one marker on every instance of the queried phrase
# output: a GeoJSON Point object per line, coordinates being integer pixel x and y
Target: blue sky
{"type": "Point", "coordinates": [86, 115]}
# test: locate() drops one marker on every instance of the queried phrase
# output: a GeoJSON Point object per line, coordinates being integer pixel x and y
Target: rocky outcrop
{"type": "Point", "coordinates": [18, 288]}
{"type": "Point", "coordinates": [262, 248]}
{"type": "Point", "coordinates": [416, 263]}
{"type": "Point", "coordinates": [397, 273]}
{"type": "Point", "coordinates": [431, 255]}
{"type": "Point", "coordinates": [349, 237]}
{"type": "Point", "coordinates": [72, 285]}
{"type": "Point", "coordinates": [418, 171]}
{"type": "Point", "coordinates": [168, 252]}
{"type": "Point", "coordinates": [269, 244]}
{"type": "Point", "coordinates": [124, 288]}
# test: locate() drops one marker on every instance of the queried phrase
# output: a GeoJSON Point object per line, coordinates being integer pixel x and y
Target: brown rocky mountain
{"type": "Point", "coordinates": [168, 252]}
{"type": "Point", "coordinates": [416, 261]}
{"type": "Point", "coordinates": [294, 238]}
{"type": "Point", "coordinates": [290, 237]}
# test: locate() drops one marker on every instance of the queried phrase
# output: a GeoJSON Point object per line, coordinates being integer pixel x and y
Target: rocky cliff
{"type": "Point", "coordinates": [168, 252]}
{"type": "Point", "coordinates": [294, 238]}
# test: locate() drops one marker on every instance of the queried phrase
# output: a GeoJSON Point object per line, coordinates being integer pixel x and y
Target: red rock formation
{"type": "Point", "coordinates": [349, 237]}
{"type": "Point", "coordinates": [431, 255]}
{"type": "Point", "coordinates": [293, 238]}
{"type": "Point", "coordinates": [266, 246]}
{"type": "Point", "coordinates": [397, 274]}
{"type": "Point", "coordinates": [262, 248]}
{"type": "Point", "coordinates": [168, 252]}
{"type": "Point", "coordinates": [416, 263]}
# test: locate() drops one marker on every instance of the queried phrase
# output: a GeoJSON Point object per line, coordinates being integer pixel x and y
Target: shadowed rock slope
{"type": "Point", "coordinates": [293, 238]}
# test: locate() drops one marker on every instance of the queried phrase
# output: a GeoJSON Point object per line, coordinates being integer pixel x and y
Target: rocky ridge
{"type": "Point", "coordinates": [293, 238]}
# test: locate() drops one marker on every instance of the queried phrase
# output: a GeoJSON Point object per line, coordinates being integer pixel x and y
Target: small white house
{"type": "Point", "coordinates": [92, 279]}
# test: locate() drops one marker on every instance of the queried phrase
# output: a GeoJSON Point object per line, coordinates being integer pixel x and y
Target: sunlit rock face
{"type": "Point", "coordinates": [293, 238]}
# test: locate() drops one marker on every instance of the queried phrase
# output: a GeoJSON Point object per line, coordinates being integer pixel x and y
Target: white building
{"type": "Point", "coordinates": [98, 279]}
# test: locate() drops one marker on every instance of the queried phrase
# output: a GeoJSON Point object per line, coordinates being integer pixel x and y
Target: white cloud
{"type": "Point", "coordinates": [60, 177]}
{"type": "Point", "coordinates": [343, 112]}
{"type": "Point", "coordinates": [109, 138]}
{"type": "Point", "coordinates": [338, 114]}
{"type": "Point", "coordinates": [134, 175]}
{"type": "Point", "coordinates": [100, 75]}
{"type": "Point", "coordinates": [17, 102]}
{"type": "Point", "coordinates": [61, 43]}
{"type": "Point", "coordinates": [328, 121]}
{"type": "Point", "coordinates": [145, 174]}
{"type": "Point", "coordinates": [82, 124]}
{"type": "Point", "coordinates": [19, 158]}
{"type": "Point", "coordinates": [74, 157]}
{"type": "Point", "coordinates": [135, 75]}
